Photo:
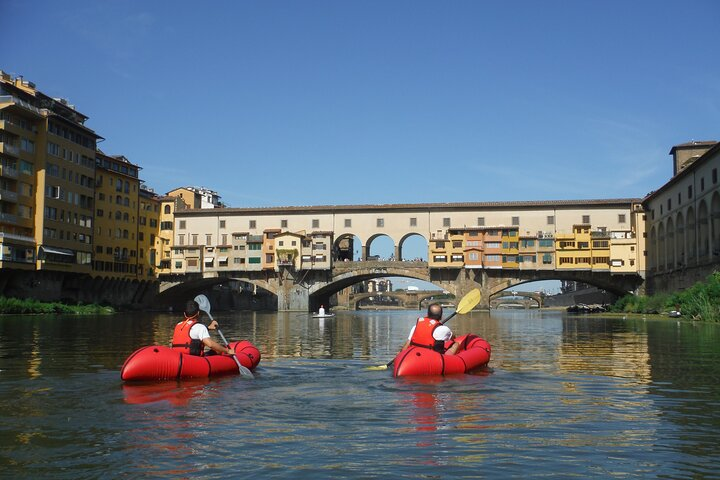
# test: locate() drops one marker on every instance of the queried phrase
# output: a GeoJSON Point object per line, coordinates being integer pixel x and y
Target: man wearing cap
{"type": "Point", "coordinates": [429, 332]}
{"type": "Point", "coordinates": [191, 336]}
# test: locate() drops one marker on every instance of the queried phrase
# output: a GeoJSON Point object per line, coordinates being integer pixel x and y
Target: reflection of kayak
{"type": "Point", "coordinates": [158, 362]}
{"type": "Point", "coordinates": [176, 393]}
{"type": "Point", "coordinates": [325, 315]}
{"type": "Point", "coordinates": [474, 353]}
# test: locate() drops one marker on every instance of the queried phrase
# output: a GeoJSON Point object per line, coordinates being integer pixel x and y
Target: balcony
{"type": "Point", "coordinates": [8, 172]}
{"type": "Point", "coordinates": [21, 104]}
{"type": "Point", "coordinates": [8, 218]}
{"type": "Point", "coordinates": [8, 196]}
{"type": "Point", "coordinates": [8, 149]}
{"type": "Point", "coordinates": [18, 238]}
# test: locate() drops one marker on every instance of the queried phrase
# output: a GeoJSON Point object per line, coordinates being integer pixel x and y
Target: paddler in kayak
{"type": "Point", "coordinates": [429, 332]}
{"type": "Point", "coordinates": [191, 336]}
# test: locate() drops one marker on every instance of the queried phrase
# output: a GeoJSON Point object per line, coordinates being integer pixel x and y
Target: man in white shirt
{"type": "Point", "coordinates": [191, 336]}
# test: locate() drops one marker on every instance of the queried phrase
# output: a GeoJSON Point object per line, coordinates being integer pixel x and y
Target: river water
{"type": "Point", "coordinates": [563, 397]}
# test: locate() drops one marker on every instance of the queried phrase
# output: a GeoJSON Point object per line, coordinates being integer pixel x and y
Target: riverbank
{"type": "Point", "coordinates": [28, 306]}
{"type": "Point", "coordinates": [701, 302]}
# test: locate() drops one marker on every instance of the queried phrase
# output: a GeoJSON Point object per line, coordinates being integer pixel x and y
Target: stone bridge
{"type": "Point", "coordinates": [307, 290]}
{"type": "Point", "coordinates": [409, 300]}
{"type": "Point", "coordinates": [528, 298]}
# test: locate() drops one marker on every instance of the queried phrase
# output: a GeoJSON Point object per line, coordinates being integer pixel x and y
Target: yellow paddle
{"type": "Point", "coordinates": [467, 303]}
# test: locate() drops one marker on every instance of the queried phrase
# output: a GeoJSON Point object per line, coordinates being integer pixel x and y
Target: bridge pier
{"type": "Point", "coordinates": [292, 297]}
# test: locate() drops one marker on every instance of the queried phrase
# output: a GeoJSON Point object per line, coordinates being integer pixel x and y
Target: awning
{"type": "Point", "coordinates": [222, 259]}
{"type": "Point", "coordinates": [57, 251]}
{"type": "Point", "coordinates": [209, 259]}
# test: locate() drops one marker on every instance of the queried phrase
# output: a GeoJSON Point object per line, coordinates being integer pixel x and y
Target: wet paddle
{"type": "Point", "coordinates": [204, 305]}
{"type": "Point", "coordinates": [467, 303]}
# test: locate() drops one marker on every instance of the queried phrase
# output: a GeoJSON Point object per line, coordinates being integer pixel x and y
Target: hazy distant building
{"type": "Point", "coordinates": [197, 197]}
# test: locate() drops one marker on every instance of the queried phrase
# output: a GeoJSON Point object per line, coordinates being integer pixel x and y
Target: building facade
{"type": "Point", "coordinates": [683, 220]}
{"type": "Point", "coordinates": [47, 156]}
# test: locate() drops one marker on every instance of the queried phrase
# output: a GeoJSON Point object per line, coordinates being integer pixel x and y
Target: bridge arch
{"type": "Point", "coordinates": [378, 241]}
{"type": "Point", "coordinates": [703, 231]}
{"type": "Point", "coordinates": [680, 239]}
{"type": "Point", "coordinates": [652, 247]}
{"type": "Point", "coordinates": [355, 273]}
{"type": "Point", "coordinates": [670, 237]}
{"type": "Point", "coordinates": [511, 293]}
{"type": "Point", "coordinates": [347, 247]}
{"type": "Point", "coordinates": [691, 237]}
{"type": "Point", "coordinates": [662, 254]}
{"type": "Point", "coordinates": [413, 241]}
{"type": "Point", "coordinates": [410, 300]}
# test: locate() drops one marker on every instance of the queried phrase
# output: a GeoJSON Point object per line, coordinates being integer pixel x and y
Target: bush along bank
{"type": "Point", "coordinates": [699, 302]}
{"type": "Point", "coordinates": [30, 306]}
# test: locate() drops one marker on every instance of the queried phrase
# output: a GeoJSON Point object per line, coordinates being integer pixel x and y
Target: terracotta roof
{"type": "Point", "coordinates": [412, 207]}
{"type": "Point", "coordinates": [699, 143]}
{"type": "Point", "coordinates": [682, 175]}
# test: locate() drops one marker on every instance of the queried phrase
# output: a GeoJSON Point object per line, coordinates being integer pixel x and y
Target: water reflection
{"type": "Point", "coordinates": [177, 393]}
{"type": "Point", "coordinates": [564, 396]}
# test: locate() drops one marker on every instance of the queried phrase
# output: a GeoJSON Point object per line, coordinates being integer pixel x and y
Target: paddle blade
{"type": "Point", "coordinates": [379, 367]}
{"type": "Point", "coordinates": [469, 301]}
{"type": "Point", "coordinates": [203, 303]}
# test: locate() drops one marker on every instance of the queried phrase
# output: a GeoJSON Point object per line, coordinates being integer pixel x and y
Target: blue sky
{"type": "Point", "coordinates": [346, 102]}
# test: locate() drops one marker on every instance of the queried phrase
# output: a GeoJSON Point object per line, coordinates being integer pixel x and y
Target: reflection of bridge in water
{"type": "Point", "coordinates": [405, 299]}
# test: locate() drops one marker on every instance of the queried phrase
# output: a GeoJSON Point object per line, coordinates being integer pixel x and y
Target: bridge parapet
{"type": "Point", "coordinates": [343, 267]}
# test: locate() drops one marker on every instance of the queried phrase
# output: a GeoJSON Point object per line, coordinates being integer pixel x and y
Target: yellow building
{"type": "Point", "coordinates": [46, 187]}
{"type": "Point", "coordinates": [117, 189]}
{"type": "Point", "coordinates": [528, 252]}
{"type": "Point", "coordinates": [268, 248]}
{"type": "Point", "coordinates": [288, 246]}
{"type": "Point", "coordinates": [439, 250]}
{"type": "Point", "coordinates": [148, 233]}
{"type": "Point", "coordinates": [197, 197]}
{"type": "Point", "coordinates": [573, 249]}
{"type": "Point", "coordinates": [510, 247]}
{"type": "Point", "coordinates": [165, 238]}
{"type": "Point", "coordinates": [600, 250]}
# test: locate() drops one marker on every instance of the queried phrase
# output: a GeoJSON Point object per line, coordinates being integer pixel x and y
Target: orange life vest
{"type": "Point", "coordinates": [181, 338]}
{"type": "Point", "coordinates": [423, 334]}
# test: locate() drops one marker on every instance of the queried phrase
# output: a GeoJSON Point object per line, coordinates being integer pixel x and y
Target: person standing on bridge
{"type": "Point", "coordinates": [191, 336]}
{"type": "Point", "coordinates": [429, 332]}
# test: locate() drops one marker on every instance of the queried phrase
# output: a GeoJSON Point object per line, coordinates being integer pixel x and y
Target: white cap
{"type": "Point", "coordinates": [442, 333]}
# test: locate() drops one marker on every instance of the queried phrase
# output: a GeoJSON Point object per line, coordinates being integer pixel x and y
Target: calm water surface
{"type": "Point", "coordinates": [563, 397]}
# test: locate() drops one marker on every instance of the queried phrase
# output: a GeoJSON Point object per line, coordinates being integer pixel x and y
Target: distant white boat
{"type": "Point", "coordinates": [324, 315]}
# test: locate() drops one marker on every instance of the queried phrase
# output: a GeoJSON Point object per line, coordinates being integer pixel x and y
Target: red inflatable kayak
{"type": "Point", "coordinates": [474, 353]}
{"type": "Point", "coordinates": [158, 362]}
